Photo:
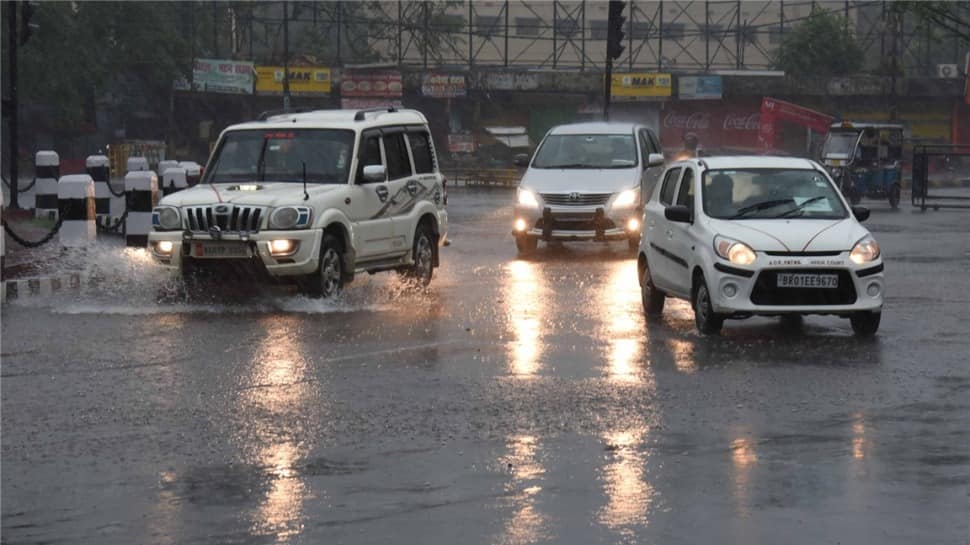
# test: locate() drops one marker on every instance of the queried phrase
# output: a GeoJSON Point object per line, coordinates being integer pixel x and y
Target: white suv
{"type": "Point", "coordinates": [314, 198]}
{"type": "Point", "coordinates": [586, 182]}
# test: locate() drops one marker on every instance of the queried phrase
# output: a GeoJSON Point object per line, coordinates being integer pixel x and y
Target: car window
{"type": "Point", "coordinates": [398, 163]}
{"type": "Point", "coordinates": [669, 186]}
{"type": "Point", "coordinates": [655, 142]}
{"type": "Point", "coordinates": [370, 155]}
{"type": "Point", "coordinates": [421, 151]}
{"type": "Point", "coordinates": [587, 151]}
{"type": "Point", "coordinates": [770, 194]}
{"type": "Point", "coordinates": [685, 197]}
{"type": "Point", "coordinates": [645, 150]}
{"type": "Point", "coordinates": [282, 156]}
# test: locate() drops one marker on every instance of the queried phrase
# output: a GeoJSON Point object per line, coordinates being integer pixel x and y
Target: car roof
{"type": "Point", "coordinates": [751, 161]}
{"type": "Point", "coordinates": [595, 127]}
{"type": "Point", "coordinates": [337, 119]}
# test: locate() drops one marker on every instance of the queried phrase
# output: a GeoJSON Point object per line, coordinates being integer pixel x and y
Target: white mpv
{"type": "Point", "coordinates": [586, 182]}
{"type": "Point", "coordinates": [311, 198]}
{"type": "Point", "coordinates": [743, 236]}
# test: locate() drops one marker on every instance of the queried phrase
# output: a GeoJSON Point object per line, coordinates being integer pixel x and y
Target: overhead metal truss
{"type": "Point", "coordinates": [676, 36]}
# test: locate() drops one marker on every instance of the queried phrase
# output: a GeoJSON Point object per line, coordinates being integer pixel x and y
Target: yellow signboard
{"type": "Point", "coordinates": [304, 80]}
{"type": "Point", "coordinates": [634, 85]}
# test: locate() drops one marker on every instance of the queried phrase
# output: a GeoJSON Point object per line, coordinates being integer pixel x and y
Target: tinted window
{"type": "Point", "coordinates": [587, 151]}
{"type": "Point", "coordinates": [421, 151]}
{"type": "Point", "coordinates": [645, 150]}
{"type": "Point", "coordinates": [282, 156]}
{"type": "Point", "coordinates": [685, 196]}
{"type": "Point", "coordinates": [398, 164]}
{"type": "Point", "coordinates": [670, 185]}
{"type": "Point", "coordinates": [370, 155]}
{"type": "Point", "coordinates": [655, 143]}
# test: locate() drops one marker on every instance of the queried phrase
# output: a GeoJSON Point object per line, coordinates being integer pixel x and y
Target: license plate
{"type": "Point", "coordinates": [802, 280]}
{"type": "Point", "coordinates": [220, 249]}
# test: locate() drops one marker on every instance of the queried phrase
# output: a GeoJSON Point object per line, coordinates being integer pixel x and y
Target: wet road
{"type": "Point", "coordinates": [516, 402]}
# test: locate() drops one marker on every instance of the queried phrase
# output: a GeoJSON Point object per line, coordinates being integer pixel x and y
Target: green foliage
{"type": "Point", "coordinates": [951, 17]}
{"type": "Point", "coordinates": [821, 45]}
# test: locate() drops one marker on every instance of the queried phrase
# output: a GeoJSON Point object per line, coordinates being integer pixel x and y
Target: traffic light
{"type": "Point", "coordinates": [614, 32]}
{"type": "Point", "coordinates": [26, 27]}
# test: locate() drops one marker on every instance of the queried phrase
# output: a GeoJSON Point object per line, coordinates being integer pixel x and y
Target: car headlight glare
{"type": "Point", "coordinates": [290, 217]}
{"type": "Point", "coordinates": [527, 198]}
{"type": "Point", "coordinates": [736, 252]}
{"type": "Point", "coordinates": [627, 198]}
{"type": "Point", "coordinates": [167, 217]}
{"type": "Point", "coordinates": [865, 251]}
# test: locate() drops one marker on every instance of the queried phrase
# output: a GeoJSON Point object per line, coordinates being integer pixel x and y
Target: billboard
{"type": "Point", "coordinates": [443, 85]}
{"type": "Point", "coordinates": [699, 87]}
{"type": "Point", "coordinates": [304, 80]}
{"type": "Point", "coordinates": [371, 84]}
{"type": "Point", "coordinates": [220, 76]}
{"type": "Point", "coordinates": [640, 85]}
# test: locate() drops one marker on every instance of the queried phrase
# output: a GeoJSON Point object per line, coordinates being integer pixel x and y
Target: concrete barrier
{"type": "Point", "coordinates": [47, 168]}
{"type": "Point", "coordinates": [141, 191]}
{"type": "Point", "coordinates": [99, 169]}
{"type": "Point", "coordinates": [165, 165]}
{"type": "Point", "coordinates": [136, 164]}
{"type": "Point", "coordinates": [173, 180]}
{"type": "Point", "coordinates": [75, 204]}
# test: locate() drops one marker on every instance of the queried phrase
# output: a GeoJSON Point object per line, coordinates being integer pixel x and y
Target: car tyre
{"type": "Point", "coordinates": [652, 298]}
{"type": "Point", "coordinates": [865, 324]}
{"type": "Point", "coordinates": [422, 253]}
{"type": "Point", "coordinates": [526, 245]}
{"type": "Point", "coordinates": [328, 281]}
{"type": "Point", "coordinates": [706, 320]}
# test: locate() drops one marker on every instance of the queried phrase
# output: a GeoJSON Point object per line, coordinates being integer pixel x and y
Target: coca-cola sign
{"type": "Point", "coordinates": [694, 121]}
{"type": "Point", "coordinates": [730, 124]}
{"type": "Point", "coordinates": [741, 122]}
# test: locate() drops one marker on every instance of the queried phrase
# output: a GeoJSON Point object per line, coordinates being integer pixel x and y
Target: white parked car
{"type": "Point", "coordinates": [743, 236]}
{"type": "Point", "coordinates": [586, 182]}
{"type": "Point", "coordinates": [314, 198]}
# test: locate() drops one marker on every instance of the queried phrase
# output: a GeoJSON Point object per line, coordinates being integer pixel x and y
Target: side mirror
{"type": "Point", "coordinates": [375, 173]}
{"type": "Point", "coordinates": [861, 213]}
{"type": "Point", "coordinates": [655, 160]}
{"type": "Point", "coordinates": [522, 160]}
{"type": "Point", "coordinates": [679, 213]}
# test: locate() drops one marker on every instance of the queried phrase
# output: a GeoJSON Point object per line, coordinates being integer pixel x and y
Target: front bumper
{"type": "Point", "coordinates": [305, 260]}
{"type": "Point", "coordinates": [754, 290]}
{"type": "Point", "coordinates": [579, 222]}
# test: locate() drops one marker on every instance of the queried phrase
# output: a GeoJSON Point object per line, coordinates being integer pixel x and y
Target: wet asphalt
{"type": "Point", "coordinates": [516, 401]}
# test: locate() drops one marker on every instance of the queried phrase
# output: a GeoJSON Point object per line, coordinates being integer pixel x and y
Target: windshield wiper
{"type": "Point", "coordinates": [261, 164]}
{"type": "Point", "coordinates": [801, 206]}
{"type": "Point", "coordinates": [763, 205]}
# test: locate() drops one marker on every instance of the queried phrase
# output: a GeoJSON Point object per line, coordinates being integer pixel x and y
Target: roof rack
{"type": "Point", "coordinates": [271, 113]}
{"type": "Point", "coordinates": [361, 114]}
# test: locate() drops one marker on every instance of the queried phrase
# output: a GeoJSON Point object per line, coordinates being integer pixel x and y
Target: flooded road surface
{"type": "Point", "coordinates": [515, 402]}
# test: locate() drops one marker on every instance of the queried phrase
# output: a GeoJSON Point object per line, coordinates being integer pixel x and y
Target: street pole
{"type": "Point", "coordinates": [607, 88]}
{"type": "Point", "coordinates": [286, 56]}
{"type": "Point", "coordinates": [13, 108]}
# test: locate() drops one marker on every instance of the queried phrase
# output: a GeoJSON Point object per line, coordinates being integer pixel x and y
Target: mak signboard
{"type": "Point", "coordinates": [220, 76]}
{"type": "Point", "coordinates": [640, 85]}
{"type": "Point", "coordinates": [309, 80]}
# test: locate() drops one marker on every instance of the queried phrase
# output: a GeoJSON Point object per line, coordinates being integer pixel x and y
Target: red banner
{"type": "Point", "coordinates": [719, 126]}
{"type": "Point", "coordinates": [774, 110]}
{"type": "Point", "coordinates": [371, 84]}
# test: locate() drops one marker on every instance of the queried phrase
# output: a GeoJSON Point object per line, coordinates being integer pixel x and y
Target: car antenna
{"type": "Point", "coordinates": [306, 196]}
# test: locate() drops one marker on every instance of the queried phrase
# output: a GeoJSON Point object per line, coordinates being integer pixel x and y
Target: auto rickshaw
{"type": "Point", "coordinates": [865, 159]}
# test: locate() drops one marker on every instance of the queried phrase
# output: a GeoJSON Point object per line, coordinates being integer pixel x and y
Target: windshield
{"type": "Point", "coordinates": [770, 194]}
{"type": "Point", "coordinates": [275, 155]}
{"type": "Point", "coordinates": [840, 143]}
{"type": "Point", "coordinates": [586, 151]}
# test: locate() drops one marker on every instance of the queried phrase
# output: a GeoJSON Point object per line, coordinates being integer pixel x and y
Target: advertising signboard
{"type": "Point", "coordinates": [443, 85]}
{"type": "Point", "coordinates": [220, 76]}
{"type": "Point", "coordinates": [304, 80]}
{"type": "Point", "coordinates": [371, 84]}
{"type": "Point", "coordinates": [699, 87]}
{"type": "Point", "coordinates": [640, 85]}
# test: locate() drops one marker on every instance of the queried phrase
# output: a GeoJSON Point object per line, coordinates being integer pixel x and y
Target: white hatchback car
{"type": "Point", "coordinates": [586, 182]}
{"type": "Point", "coordinates": [313, 198]}
{"type": "Point", "coordinates": [743, 236]}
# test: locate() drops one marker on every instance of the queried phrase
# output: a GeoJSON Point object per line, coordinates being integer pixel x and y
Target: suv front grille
{"type": "Point", "coordinates": [767, 292]}
{"type": "Point", "coordinates": [227, 217]}
{"type": "Point", "coordinates": [575, 199]}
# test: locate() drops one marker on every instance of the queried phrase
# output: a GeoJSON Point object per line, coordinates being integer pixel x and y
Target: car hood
{"type": "Point", "coordinates": [581, 180]}
{"type": "Point", "coordinates": [266, 194]}
{"type": "Point", "coordinates": [794, 235]}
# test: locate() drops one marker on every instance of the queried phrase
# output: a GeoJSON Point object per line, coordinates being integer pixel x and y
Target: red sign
{"type": "Point", "coordinates": [774, 110]}
{"type": "Point", "coordinates": [461, 143]}
{"type": "Point", "coordinates": [724, 125]}
{"type": "Point", "coordinates": [375, 84]}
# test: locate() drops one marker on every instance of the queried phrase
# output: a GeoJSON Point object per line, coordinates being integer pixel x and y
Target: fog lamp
{"type": "Point", "coordinates": [873, 289]}
{"type": "Point", "coordinates": [164, 246]}
{"type": "Point", "coordinates": [730, 290]}
{"type": "Point", "coordinates": [282, 246]}
{"type": "Point", "coordinates": [633, 225]}
{"type": "Point", "coordinates": [520, 224]}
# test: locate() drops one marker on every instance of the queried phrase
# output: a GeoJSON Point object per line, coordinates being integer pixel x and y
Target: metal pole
{"type": "Point", "coordinates": [660, 38]}
{"type": "Point", "coordinates": [629, 37]}
{"type": "Point", "coordinates": [707, 36]}
{"type": "Point", "coordinates": [426, 40]}
{"type": "Point", "coordinates": [13, 107]}
{"type": "Point", "coordinates": [506, 51]}
{"type": "Point", "coordinates": [286, 56]}
{"type": "Point", "coordinates": [582, 37]}
{"type": "Point", "coordinates": [215, 29]}
{"type": "Point", "coordinates": [737, 36]}
{"type": "Point", "coordinates": [607, 86]}
{"type": "Point", "coordinates": [340, 24]}
{"type": "Point", "coordinates": [470, 41]}
{"type": "Point", "coordinates": [400, 32]}
{"type": "Point", "coordinates": [555, 26]}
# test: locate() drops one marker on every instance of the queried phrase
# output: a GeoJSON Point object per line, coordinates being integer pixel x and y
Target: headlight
{"type": "Point", "coordinates": [167, 218]}
{"type": "Point", "coordinates": [627, 198]}
{"type": "Point", "coordinates": [865, 251]}
{"type": "Point", "coordinates": [290, 217]}
{"type": "Point", "coordinates": [736, 252]}
{"type": "Point", "coordinates": [527, 198]}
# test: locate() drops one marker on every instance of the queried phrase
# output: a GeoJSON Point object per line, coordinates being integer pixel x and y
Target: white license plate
{"type": "Point", "coordinates": [220, 249]}
{"type": "Point", "coordinates": [802, 280]}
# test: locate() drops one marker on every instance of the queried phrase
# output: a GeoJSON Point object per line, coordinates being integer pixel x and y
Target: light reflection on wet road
{"type": "Point", "coordinates": [516, 402]}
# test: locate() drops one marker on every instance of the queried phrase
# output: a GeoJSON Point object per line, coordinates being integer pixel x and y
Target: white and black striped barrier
{"type": "Point", "coordinates": [99, 169]}
{"type": "Point", "coordinates": [75, 204]}
{"type": "Point", "coordinates": [173, 180]}
{"type": "Point", "coordinates": [141, 192]}
{"type": "Point", "coordinates": [193, 172]}
{"type": "Point", "coordinates": [47, 169]}
{"type": "Point", "coordinates": [137, 163]}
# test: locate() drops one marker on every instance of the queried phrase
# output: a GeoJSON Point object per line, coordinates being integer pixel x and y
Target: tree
{"type": "Point", "coordinates": [952, 17]}
{"type": "Point", "coordinates": [822, 45]}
